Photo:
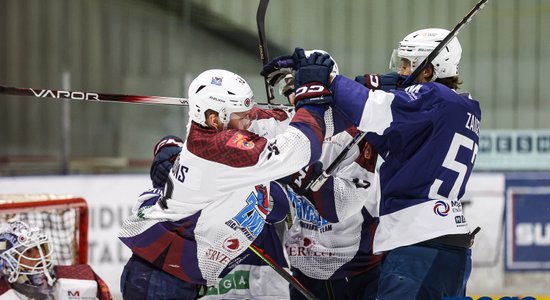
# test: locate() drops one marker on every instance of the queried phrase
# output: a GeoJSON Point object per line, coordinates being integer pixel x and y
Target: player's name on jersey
{"type": "Point", "coordinates": [513, 150]}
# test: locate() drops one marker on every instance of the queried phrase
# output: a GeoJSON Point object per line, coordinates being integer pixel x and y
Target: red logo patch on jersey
{"type": "Point", "coordinates": [232, 244]}
{"type": "Point", "coordinates": [240, 141]}
{"type": "Point", "coordinates": [308, 243]}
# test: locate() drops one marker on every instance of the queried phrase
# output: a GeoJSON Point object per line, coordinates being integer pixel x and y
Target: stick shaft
{"type": "Point", "coordinates": [102, 98]}
{"type": "Point", "coordinates": [94, 97]}
{"type": "Point", "coordinates": [291, 279]}
{"type": "Point", "coordinates": [264, 53]}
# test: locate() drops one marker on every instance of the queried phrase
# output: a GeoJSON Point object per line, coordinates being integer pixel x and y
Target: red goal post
{"type": "Point", "coordinates": [63, 218]}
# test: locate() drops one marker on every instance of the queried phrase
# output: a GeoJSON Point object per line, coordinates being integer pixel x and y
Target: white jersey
{"type": "Point", "coordinates": [322, 249]}
{"type": "Point", "coordinates": [217, 197]}
{"type": "Point", "coordinates": [252, 278]}
{"type": "Point", "coordinates": [317, 247]}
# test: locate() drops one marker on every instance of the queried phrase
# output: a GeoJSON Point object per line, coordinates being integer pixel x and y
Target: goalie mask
{"type": "Point", "coordinates": [416, 46]}
{"type": "Point", "coordinates": [221, 91]}
{"type": "Point", "coordinates": [26, 256]}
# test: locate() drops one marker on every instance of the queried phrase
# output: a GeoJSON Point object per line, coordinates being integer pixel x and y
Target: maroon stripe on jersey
{"type": "Point", "coordinates": [234, 148]}
{"type": "Point", "coordinates": [165, 245]}
{"type": "Point", "coordinates": [4, 286]}
{"type": "Point", "coordinates": [311, 120]}
{"type": "Point", "coordinates": [174, 258]}
{"type": "Point", "coordinates": [84, 272]}
{"type": "Point", "coordinates": [277, 114]}
{"type": "Point", "coordinates": [151, 251]}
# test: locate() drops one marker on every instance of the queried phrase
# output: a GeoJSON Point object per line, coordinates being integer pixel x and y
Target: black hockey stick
{"type": "Point", "coordinates": [291, 279]}
{"type": "Point", "coordinates": [99, 97]}
{"type": "Point", "coordinates": [94, 97]}
{"type": "Point", "coordinates": [321, 179]}
{"type": "Point", "coordinates": [264, 53]}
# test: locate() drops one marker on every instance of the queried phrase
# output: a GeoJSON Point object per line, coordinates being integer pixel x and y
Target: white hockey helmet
{"type": "Point", "coordinates": [335, 70]}
{"type": "Point", "coordinates": [26, 255]}
{"type": "Point", "coordinates": [287, 85]}
{"type": "Point", "coordinates": [416, 46]}
{"type": "Point", "coordinates": [221, 91]}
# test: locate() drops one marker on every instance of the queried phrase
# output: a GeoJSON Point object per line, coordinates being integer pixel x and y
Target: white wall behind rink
{"type": "Point", "coordinates": [110, 198]}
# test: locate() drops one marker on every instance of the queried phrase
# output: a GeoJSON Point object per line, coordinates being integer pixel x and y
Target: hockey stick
{"type": "Point", "coordinates": [98, 97]}
{"type": "Point", "coordinates": [321, 179]}
{"type": "Point", "coordinates": [264, 53]}
{"type": "Point", "coordinates": [94, 97]}
{"type": "Point", "coordinates": [291, 279]}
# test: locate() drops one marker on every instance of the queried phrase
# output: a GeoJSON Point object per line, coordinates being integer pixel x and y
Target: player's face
{"type": "Point", "coordinates": [405, 68]}
{"type": "Point", "coordinates": [240, 120]}
{"type": "Point", "coordinates": [30, 258]}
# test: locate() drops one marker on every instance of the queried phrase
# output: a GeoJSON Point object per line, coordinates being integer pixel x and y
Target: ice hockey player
{"type": "Point", "coordinates": [428, 136]}
{"type": "Point", "coordinates": [28, 271]}
{"type": "Point", "coordinates": [329, 243]}
{"type": "Point", "coordinates": [216, 200]}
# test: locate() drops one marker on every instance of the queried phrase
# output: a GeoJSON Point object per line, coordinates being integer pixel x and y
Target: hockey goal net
{"type": "Point", "coordinates": [63, 218]}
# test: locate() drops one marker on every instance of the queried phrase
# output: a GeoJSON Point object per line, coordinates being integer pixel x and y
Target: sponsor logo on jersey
{"type": "Point", "coordinates": [232, 244]}
{"type": "Point", "coordinates": [240, 141]}
{"type": "Point", "coordinates": [217, 256]}
{"type": "Point", "coordinates": [460, 220]}
{"type": "Point", "coordinates": [308, 216]}
{"type": "Point", "coordinates": [457, 206]}
{"type": "Point", "coordinates": [296, 250]}
{"type": "Point", "coordinates": [412, 91]}
{"type": "Point", "coordinates": [251, 219]}
{"type": "Point", "coordinates": [73, 293]}
{"type": "Point", "coordinates": [238, 280]}
{"type": "Point", "coordinates": [307, 242]}
{"type": "Point", "coordinates": [441, 208]}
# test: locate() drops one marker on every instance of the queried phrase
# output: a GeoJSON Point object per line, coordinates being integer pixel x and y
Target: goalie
{"type": "Point", "coordinates": [28, 271]}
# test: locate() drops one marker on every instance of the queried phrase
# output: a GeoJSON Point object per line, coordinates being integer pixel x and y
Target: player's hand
{"type": "Point", "coordinates": [385, 82]}
{"type": "Point", "coordinates": [166, 151]}
{"type": "Point", "coordinates": [312, 78]}
{"type": "Point", "coordinates": [286, 88]}
{"type": "Point", "coordinates": [277, 69]}
{"type": "Point", "coordinates": [300, 180]}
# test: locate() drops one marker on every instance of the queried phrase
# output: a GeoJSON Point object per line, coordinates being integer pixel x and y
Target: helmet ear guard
{"type": "Point", "coordinates": [221, 91]}
{"type": "Point", "coordinates": [416, 46]}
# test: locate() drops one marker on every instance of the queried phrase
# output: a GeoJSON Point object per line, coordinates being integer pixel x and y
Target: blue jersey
{"type": "Point", "coordinates": [428, 136]}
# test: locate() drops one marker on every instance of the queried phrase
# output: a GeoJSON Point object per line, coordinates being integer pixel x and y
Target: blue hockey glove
{"type": "Point", "coordinates": [312, 78]}
{"type": "Point", "coordinates": [166, 151]}
{"type": "Point", "coordinates": [278, 68]}
{"type": "Point", "coordinates": [385, 82]}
